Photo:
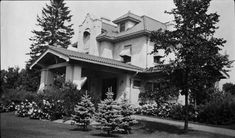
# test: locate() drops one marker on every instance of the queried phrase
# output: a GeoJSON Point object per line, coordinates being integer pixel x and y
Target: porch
{"type": "Point", "coordinates": [88, 72]}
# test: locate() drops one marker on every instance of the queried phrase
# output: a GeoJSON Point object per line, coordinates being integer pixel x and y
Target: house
{"type": "Point", "coordinates": [114, 55]}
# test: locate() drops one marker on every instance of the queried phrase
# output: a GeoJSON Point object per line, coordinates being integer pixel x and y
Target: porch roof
{"type": "Point", "coordinates": [69, 54]}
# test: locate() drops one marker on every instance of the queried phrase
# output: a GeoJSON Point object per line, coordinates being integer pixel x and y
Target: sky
{"type": "Point", "coordinates": [18, 19]}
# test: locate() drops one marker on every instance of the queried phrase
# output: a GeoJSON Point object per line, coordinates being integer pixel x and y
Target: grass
{"type": "Point", "coordinates": [16, 127]}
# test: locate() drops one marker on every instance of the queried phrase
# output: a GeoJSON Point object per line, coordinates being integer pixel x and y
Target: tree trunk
{"type": "Point", "coordinates": [186, 112]}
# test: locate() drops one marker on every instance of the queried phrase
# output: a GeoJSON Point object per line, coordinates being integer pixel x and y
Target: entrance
{"type": "Point", "coordinates": [109, 83]}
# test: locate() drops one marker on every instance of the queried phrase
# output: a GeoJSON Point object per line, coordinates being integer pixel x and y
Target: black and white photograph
{"type": "Point", "coordinates": [126, 69]}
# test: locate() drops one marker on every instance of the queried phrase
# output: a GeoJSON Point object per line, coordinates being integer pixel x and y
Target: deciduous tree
{"type": "Point", "coordinates": [198, 62]}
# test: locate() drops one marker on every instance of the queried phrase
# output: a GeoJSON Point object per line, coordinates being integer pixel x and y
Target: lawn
{"type": "Point", "coordinates": [16, 127]}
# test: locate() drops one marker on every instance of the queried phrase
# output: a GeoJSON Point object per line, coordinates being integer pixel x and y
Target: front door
{"type": "Point", "coordinates": [109, 83]}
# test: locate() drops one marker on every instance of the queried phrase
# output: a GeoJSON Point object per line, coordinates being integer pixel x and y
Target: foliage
{"type": "Point", "coordinates": [24, 79]}
{"type": "Point", "coordinates": [70, 96]}
{"type": "Point", "coordinates": [35, 112]}
{"type": "Point", "coordinates": [167, 110]}
{"type": "Point", "coordinates": [219, 111]}
{"type": "Point", "coordinates": [160, 94]}
{"type": "Point", "coordinates": [196, 49]}
{"type": "Point", "coordinates": [22, 110]}
{"type": "Point", "coordinates": [127, 121]}
{"type": "Point", "coordinates": [198, 61]}
{"type": "Point", "coordinates": [177, 112]}
{"type": "Point", "coordinates": [55, 29]}
{"type": "Point", "coordinates": [229, 88]}
{"type": "Point", "coordinates": [52, 109]}
{"type": "Point", "coordinates": [30, 79]}
{"type": "Point", "coordinates": [84, 111]}
{"type": "Point", "coordinates": [109, 114]}
{"type": "Point", "coordinates": [13, 95]}
{"type": "Point", "coordinates": [10, 78]}
{"type": "Point", "coordinates": [7, 107]}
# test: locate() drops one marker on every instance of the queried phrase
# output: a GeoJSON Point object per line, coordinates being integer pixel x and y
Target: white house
{"type": "Point", "coordinates": [108, 54]}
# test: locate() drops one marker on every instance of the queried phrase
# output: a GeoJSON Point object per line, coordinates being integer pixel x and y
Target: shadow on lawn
{"type": "Point", "coordinates": [80, 129]}
{"type": "Point", "coordinates": [105, 135]}
{"type": "Point", "coordinates": [151, 127]}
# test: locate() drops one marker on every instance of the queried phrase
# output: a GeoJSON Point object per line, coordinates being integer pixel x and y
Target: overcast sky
{"type": "Point", "coordinates": [18, 19]}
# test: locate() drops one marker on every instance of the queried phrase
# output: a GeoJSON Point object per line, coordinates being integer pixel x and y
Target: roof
{"type": "Point", "coordinates": [69, 54]}
{"type": "Point", "coordinates": [127, 16]}
{"type": "Point", "coordinates": [145, 26]}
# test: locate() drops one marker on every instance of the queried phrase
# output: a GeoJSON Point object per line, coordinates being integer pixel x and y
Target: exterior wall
{"type": "Point", "coordinates": [138, 50]}
{"type": "Point", "coordinates": [123, 87]}
{"type": "Point", "coordinates": [106, 49]}
{"type": "Point", "coordinates": [93, 26]}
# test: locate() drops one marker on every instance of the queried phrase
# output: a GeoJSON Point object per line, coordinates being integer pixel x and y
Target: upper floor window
{"type": "Point", "coordinates": [126, 53]}
{"type": "Point", "coordinates": [86, 40]}
{"type": "Point", "coordinates": [122, 27]}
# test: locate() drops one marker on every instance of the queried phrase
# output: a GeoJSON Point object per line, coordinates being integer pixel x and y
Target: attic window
{"type": "Point", "coordinates": [122, 27]}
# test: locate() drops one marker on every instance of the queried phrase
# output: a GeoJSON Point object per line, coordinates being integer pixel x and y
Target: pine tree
{"type": "Point", "coordinates": [55, 29]}
{"type": "Point", "coordinates": [83, 112]}
{"type": "Point", "coordinates": [127, 121]}
{"type": "Point", "coordinates": [109, 114]}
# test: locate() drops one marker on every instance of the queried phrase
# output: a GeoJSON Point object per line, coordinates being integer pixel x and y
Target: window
{"type": "Point", "coordinates": [157, 59]}
{"type": "Point", "coordinates": [86, 40]}
{"type": "Point", "coordinates": [126, 59]}
{"type": "Point", "coordinates": [122, 27]}
{"type": "Point", "coordinates": [126, 53]}
{"type": "Point", "coordinates": [137, 83]}
{"type": "Point", "coordinates": [152, 86]}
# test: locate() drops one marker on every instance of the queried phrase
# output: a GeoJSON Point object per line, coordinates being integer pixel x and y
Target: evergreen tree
{"type": "Point", "coordinates": [126, 121]}
{"type": "Point", "coordinates": [198, 61]}
{"type": "Point", "coordinates": [55, 29]}
{"type": "Point", "coordinates": [109, 114]}
{"type": "Point", "coordinates": [83, 112]}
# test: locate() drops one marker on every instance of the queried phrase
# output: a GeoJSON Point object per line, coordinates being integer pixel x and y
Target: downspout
{"type": "Point", "coordinates": [147, 49]}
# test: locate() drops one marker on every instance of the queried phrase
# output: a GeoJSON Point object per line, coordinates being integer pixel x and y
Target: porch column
{"type": "Point", "coordinates": [74, 75]}
{"type": "Point", "coordinates": [46, 80]}
{"type": "Point", "coordinates": [69, 73]}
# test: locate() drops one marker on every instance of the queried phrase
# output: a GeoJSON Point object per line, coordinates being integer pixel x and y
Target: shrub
{"type": "Point", "coordinates": [109, 114]}
{"type": "Point", "coordinates": [22, 110]}
{"type": "Point", "coordinates": [84, 111]}
{"type": "Point", "coordinates": [149, 109]}
{"type": "Point", "coordinates": [218, 111]}
{"type": "Point", "coordinates": [52, 110]}
{"type": "Point", "coordinates": [127, 121]}
{"type": "Point", "coordinates": [9, 107]}
{"type": "Point", "coordinates": [35, 112]}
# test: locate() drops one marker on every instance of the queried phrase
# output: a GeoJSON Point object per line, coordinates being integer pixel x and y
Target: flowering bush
{"type": "Point", "coordinates": [52, 110]}
{"type": "Point", "coordinates": [22, 110]}
{"type": "Point", "coordinates": [149, 109]}
{"type": "Point", "coordinates": [35, 112]}
{"type": "Point", "coordinates": [7, 107]}
{"type": "Point", "coordinates": [167, 110]}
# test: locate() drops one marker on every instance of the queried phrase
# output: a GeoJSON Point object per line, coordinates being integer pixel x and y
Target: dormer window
{"type": "Point", "coordinates": [126, 54]}
{"type": "Point", "coordinates": [122, 27]}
